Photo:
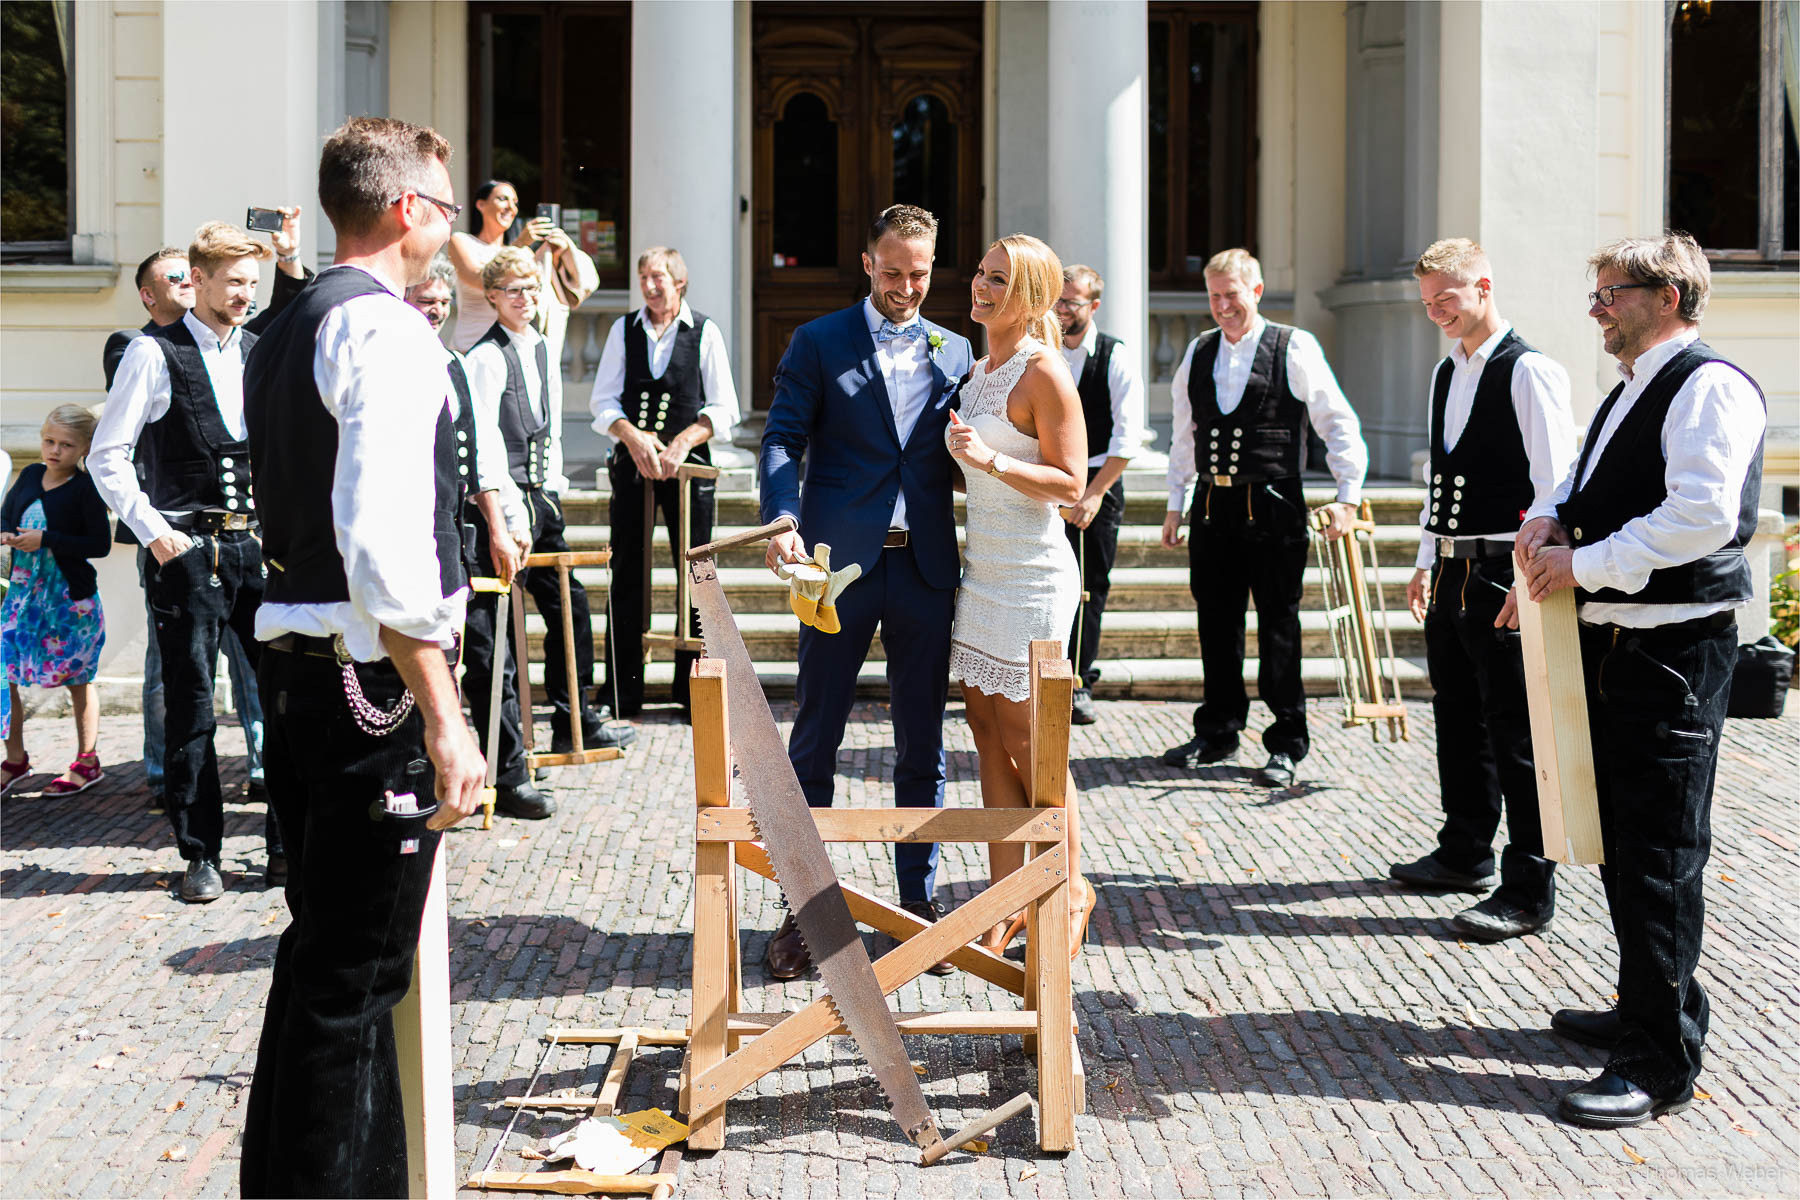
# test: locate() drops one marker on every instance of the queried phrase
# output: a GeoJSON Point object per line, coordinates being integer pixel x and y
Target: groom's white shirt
{"type": "Point", "coordinates": [906, 366]}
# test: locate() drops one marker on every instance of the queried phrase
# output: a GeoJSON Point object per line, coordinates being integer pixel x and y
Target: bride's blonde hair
{"type": "Point", "coordinates": [1034, 281]}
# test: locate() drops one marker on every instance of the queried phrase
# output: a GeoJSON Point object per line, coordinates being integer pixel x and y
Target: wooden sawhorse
{"type": "Point", "coordinates": [563, 564]}
{"type": "Point", "coordinates": [684, 637]}
{"type": "Point", "coordinates": [728, 1049]}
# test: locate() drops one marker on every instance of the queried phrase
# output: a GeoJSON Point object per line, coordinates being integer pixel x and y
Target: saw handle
{"type": "Point", "coordinates": [745, 538]}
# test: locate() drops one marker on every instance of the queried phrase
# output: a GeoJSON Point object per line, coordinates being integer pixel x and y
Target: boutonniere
{"type": "Point", "coordinates": [935, 340]}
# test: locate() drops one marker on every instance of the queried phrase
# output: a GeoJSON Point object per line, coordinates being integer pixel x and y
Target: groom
{"type": "Point", "coordinates": [863, 396]}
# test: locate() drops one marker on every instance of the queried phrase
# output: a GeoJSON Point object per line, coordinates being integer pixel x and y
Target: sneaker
{"type": "Point", "coordinates": [201, 883]}
{"type": "Point", "coordinates": [1082, 712]}
{"type": "Point", "coordinates": [1199, 753]}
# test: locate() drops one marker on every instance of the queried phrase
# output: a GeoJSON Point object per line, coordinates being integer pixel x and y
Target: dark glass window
{"type": "Point", "coordinates": [1202, 100]}
{"type": "Point", "coordinates": [551, 113]}
{"type": "Point", "coordinates": [806, 184]}
{"type": "Point", "coordinates": [35, 45]}
{"type": "Point", "coordinates": [925, 165]}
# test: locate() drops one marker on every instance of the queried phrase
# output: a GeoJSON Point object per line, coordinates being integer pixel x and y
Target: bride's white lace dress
{"type": "Point", "coordinates": [1020, 581]}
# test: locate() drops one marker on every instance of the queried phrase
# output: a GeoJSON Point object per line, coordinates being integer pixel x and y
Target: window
{"type": "Point", "coordinates": [35, 109]}
{"type": "Point", "coordinates": [925, 166]}
{"type": "Point", "coordinates": [806, 184]}
{"type": "Point", "coordinates": [551, 101]}
{"type": "Point", "coordinates": [1202, 137]}
{"type": "Point", "coordinates": [1734, 176]}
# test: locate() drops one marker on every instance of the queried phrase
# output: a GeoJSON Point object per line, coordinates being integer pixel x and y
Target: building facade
{"type": "Point", "coordinates": [1335, 139]}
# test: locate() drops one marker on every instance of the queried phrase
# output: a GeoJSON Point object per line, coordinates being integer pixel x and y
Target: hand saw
{"type": "Point", "coordinates": [797, 853]}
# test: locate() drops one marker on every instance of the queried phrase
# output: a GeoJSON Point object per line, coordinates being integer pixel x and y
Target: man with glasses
{"type": "Point", "coordinates": [1650, 528]}
{"type": "Point", "coordinates": [510, 374]}
{"type": "Point", "coordinates": [1112, 405]}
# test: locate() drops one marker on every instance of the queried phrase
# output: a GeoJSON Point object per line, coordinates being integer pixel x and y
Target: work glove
{"type": "Point", "coordinates": [806, 584]}
{"type": "Point", "coordinates": [837, 581]}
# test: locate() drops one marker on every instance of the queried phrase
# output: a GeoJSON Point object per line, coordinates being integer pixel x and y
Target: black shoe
{"type": "Point", "coordinates": [594, 736]}
{"type": "Point", "coordinates": [1082, 712]}
{"type": "Point", "coordinates": [522, 801]}
{"type": "Point", "coordinates": [540, 775]}
{"type": "Point", "coordinates": [202, 884]}
{"type": "Point", "coordinates": [1278, 772]}
{"type": "Point", "coordinates": [1610, 1101]}
{"type": "Point", "coordinates": [928, 912]}
{"type": "Point", "coordinates": [787, 956]}
{"type": "Point", "coordinates": [257, 790]}
{"type": "Point", "coordinates": [275, 871]}
{"type": "Point", "coordinates": [1495, 919]}
{"type": "Point", "coordinates": [1591, 1027]}
{"type": "Point", "coordinates": [157, 803]}
{"type": "Point", "coordinates": [1198, 753]}
{"type": "Point", "coordinates": [1433, 875]}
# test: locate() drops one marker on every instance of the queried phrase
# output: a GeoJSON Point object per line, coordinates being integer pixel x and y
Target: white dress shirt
{"type": "Point", "coordinates": [721, 407]}
{"type": "Point", "coordinates": [141, 394]}
{"type": "Point", "coordinates": [1125, 387]}
{"type": "Point", "coordinates": [906, 368]}
{"type": "Point", "coordinates": [1709, 441]}
{"type": "Point", "coordinates": [1311, 382]}
{"type": "Point", "coordinates": [487, 378]}
{"type": "Point", "coordinates": [492, 474]}
{"type": "Point", "coordinates": [380, 372]}
{"type": "Point", "coordinates": [1540, 400]}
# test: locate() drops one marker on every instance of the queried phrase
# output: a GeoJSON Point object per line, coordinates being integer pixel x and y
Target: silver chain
{"type": "Point", "coordinates": [371, 720]}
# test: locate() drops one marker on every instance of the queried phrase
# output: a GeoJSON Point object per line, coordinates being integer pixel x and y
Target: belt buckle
{"type": "Point", "coordinates": [1446, 547]}
{"type": "Point", "coordinates": [1223, 481]}
{"type": "Point", "coordinates": [234, 521]}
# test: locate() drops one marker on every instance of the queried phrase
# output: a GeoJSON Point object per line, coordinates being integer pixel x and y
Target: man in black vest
{"type": "Point", "coordinates": [663, 392]}
{"type": "Point", "coordinates": [526, 403]}
{"type": "Point", "coordinates": [1243, 396]}
{"type": "Point", "coordinates": [368, 756]}
{"type": "Point", "coordinates": [1501, 438]}
{"type": "Point", "coordinates": [1112, 404]}
{"type": "Point", "coordinates": [1650, 529]}
{"type": "Point", "coordinates": [177, 408]}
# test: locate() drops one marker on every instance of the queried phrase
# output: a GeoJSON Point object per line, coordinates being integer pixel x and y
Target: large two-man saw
{"type": "Point", "coordinates": [797, 853]}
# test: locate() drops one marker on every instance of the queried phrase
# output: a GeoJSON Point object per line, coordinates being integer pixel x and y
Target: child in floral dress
{"type": "Point", "coordinates": [51, 625]}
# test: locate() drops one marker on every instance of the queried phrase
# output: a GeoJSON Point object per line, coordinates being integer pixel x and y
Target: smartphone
{"type": "Point", "coordinates": [263, 220]}
{"type": "Point", "coordinates": [551, 213]}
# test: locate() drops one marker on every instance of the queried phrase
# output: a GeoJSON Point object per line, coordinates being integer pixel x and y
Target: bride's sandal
{"type": "Point", "coordinates": [997, 939]}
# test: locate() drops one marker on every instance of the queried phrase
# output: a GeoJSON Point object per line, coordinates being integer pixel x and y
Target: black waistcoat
{"type": "Point", "coordinates": [294, 444]}
{"type": "Point", "coordinates": [461, 475]}
{"type": "Point", "coordinates": [527, 436]}
{"type": "Point", "coordinates": [186, 459]}
{"type": "Point", "coordinates": [667, 405]}
{"type": "Point", "coordinates": [1483, 483]}
{"type": "Point", "coordinates": [1628, 482]}
{"type": "Point", "coordinates": [1262, 438]}
{"type": "Point", "coordinates": [1096, 395]}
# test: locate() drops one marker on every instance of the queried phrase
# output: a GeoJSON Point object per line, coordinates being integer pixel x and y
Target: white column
{"type": "Point", "coordinates": [1099, 116]}
{"type": "Point", "coordinates": [271, 148]}
{"type": "Point", "coordinates": [682, 189]}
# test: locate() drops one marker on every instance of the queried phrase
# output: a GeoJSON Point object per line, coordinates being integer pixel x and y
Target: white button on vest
{"type": "Point", "coordinates": [1451, 522]}
{"type": "Point", "coordinates": [228, 477]}
{"type": "Point", "coordinates": [226, 462]}
{"type": "Point", "coordinates": [1578, 533]}
{"type": "Point", "coordinates": [231, 504]}
{"type": "Point", "coordinates": [1460, 481]}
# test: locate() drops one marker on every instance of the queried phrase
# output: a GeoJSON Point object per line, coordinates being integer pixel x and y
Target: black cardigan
{"type": "Point", "coordinates": [75, 519]}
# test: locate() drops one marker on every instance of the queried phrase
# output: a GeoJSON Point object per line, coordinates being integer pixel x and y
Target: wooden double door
{"type": "Point", "coordinates": [858, 107]}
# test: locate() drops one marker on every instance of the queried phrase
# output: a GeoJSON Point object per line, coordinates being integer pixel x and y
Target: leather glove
{"type": "Point", "coordinates": [806, 584]}
{"type": "Point", "coordinates": [827, 621]}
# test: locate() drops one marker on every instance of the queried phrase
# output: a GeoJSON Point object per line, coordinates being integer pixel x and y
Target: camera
{"type": "Point", "coordinates": [263, 220]}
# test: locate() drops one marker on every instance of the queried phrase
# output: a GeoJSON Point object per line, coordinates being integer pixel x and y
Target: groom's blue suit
{"type": "Point", "coordinates": [832, 408]}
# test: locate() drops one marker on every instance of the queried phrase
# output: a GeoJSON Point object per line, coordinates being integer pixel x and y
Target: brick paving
{"type": "Point", "coordinates": [1261, 1014]}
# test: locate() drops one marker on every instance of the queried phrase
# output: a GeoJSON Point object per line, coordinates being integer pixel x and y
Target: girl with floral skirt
{"type": "Point", "coordinates": [51, 625]}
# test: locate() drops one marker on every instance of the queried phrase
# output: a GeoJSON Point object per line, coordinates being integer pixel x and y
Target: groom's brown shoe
{"type": "Point", "coordinates": [928, 912]}
{"type": "Point", "coordinates": [787, 956]}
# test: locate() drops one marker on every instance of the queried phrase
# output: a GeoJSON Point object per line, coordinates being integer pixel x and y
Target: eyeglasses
{"type": "Point", "coordinates": [177, 277]}
{"type": "Point", "coordinates": [519, 289]}
{"type": "Point", "coordinates": [450, 211]}
{"type": "Point", "coordinates": [1072, 305]}
{"type": "Point", "coordinates": [1604, 297]}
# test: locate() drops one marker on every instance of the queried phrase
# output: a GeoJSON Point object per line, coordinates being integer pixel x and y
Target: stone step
{"type": "Point", "coordinates": [1130, 635]}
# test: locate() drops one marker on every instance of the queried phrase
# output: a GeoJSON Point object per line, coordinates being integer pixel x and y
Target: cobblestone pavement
{"type": "Point", "coordinates": [1260, 1012]}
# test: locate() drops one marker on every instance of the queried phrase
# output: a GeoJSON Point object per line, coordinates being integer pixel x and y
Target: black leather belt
{"type": "Point", "coordinates": [897, 539]}
{"type": "Point", "coordinates": [1713, 623]}
{"type": "Point", "coordinates": [1475, 548]}
{"type": "Point", "coordinates": [302, 643]}
{"type": "Point", "coordinates": [212, 521]}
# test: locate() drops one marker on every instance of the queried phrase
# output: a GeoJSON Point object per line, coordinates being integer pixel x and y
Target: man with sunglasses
{"type": "Point", "coordinates": [1112, 405]}
{"type": "Point", "coordinates": [1649, 528]}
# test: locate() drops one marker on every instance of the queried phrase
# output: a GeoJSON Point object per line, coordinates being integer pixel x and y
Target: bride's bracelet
{"type": "Point", "coordinates": [1000, 465]}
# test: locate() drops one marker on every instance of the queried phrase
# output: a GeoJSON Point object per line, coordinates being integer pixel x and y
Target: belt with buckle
{"type": "Point", "coordinates": [1222, 480]}
{"type": "Point", "coordinates": [1475, 548]}
{"type": "Point", "coordinates": [312, 647]}
{"type": "Point", "coordinates": [213, 521]}
{"type": "Point", "coordinates": [897, 539]}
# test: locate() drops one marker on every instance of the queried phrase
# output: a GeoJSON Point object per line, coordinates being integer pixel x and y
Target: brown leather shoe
{"type": "Point", "coordinates": [928, 912]}
{"type": "Point", "coordinates": [787, 956]}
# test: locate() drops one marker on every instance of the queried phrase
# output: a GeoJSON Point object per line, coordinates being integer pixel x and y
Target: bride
{"type": "Point", "coordinates": [1022, 446]}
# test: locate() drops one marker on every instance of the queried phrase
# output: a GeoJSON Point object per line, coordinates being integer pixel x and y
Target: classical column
{"type": "Point", "coordinates": [1098, 107]}
{"type": "Point", "coordinates": [682, 190]}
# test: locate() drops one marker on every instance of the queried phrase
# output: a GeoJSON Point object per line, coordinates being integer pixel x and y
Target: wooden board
{"type": "Point", "coordinates": [746, 1024]}
{"type": "Point", "coordinates": [422, 1031]}
{"type": "Point", "coordinates": [1562, 743]}
{"type": "Point", "coordinates": [570, 1183]}
{"type": "Point", "coordinates": [897, 825]}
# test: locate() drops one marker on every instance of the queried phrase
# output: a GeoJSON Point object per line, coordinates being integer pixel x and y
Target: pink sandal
{"type": "Point", "coordinates": [87, 772]}
{"type": "Point", "coordinates": [12, 772]}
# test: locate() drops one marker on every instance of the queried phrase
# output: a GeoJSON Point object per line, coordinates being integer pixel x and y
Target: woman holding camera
{"type": "Point", "coordinates": [568, 276]}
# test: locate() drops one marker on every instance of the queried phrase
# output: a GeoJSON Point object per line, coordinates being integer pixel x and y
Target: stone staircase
{"type": "Point", "coordinates": [1149, 646]}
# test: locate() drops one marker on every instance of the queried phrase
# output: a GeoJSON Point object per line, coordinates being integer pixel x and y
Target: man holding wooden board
{"type": "Point", "coordinates": [1501, 438]}
{"type": "Point", "coordinates": [1650, 529]}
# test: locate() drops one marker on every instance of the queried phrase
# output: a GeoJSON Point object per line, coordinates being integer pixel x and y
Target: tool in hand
{"type": "Point", "coordinates": [502, 609]}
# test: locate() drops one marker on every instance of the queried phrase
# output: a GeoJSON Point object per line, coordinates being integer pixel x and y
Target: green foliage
{"type": "Point", "coordinates": [34, 131]}
{"type": "Point", "coordinates": [1784, 593]}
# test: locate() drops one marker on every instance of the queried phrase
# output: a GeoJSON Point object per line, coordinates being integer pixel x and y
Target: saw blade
{"type": "Point", "coordinates": [797, 854]}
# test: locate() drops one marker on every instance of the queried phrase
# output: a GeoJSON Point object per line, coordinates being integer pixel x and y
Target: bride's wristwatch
{"type": "Point", "coordinates": [999, 465]}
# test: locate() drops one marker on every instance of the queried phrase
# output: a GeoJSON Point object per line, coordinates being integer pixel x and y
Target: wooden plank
{"type": "Point", "coordinates": [1562, 743]}
{"type": "Point", "coordinates": [898, 825]}
{"type": "Point", "coordinates": [422, 1045]}
{"type": "Point", "coordinates": [711, 1089]}
{"type": "Point", "coordinates": [712, 754]}
{"type": "Point", "coordinates": [711, 992]}
{"type": "Point", "coordinates": [607, 1102]}
{"type": "Point", "coordinates": [574, 1182]}
{"type": "Point", "coordinates": [1052, 693]}
{"type": "Point", "coordinates": [576, 759]}
{"type": "Point", "coordinates": [748, 1025]}
{"type": "Point", "coordinates": [1077, 1072]}
{"type": "Point", "coordinates": [900, 925]}
{"type": "Point", "coordinates": [604, 1037]}
{"type": "Point", "coordinates": [570, 558]}
{"type": "Point", "coordinates": [551, 1103]}
{"type": "Point", "coordinates": [1055, 1029]}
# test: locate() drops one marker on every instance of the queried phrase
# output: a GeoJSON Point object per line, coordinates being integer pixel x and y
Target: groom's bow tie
{"type": "Point", "coordinates": [889, 331]}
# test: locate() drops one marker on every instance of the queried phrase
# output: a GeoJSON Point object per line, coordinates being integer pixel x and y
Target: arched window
{"type": "Point", "coordinates": [925, 166]}
{"type": "Point", "coordinates": [806, 184]}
